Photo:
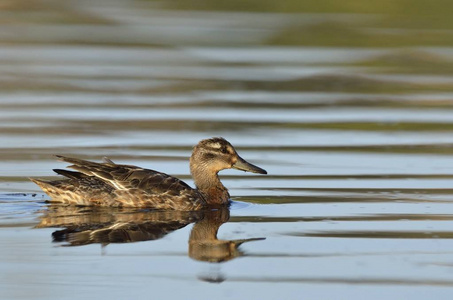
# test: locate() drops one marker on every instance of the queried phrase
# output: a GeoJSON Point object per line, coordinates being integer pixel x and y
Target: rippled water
{"type": "Point", "coordinates": [357, 142]}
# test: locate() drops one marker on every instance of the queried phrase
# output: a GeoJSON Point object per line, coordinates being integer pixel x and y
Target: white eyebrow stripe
{"type": "Point", "coordinates": [216, 145]}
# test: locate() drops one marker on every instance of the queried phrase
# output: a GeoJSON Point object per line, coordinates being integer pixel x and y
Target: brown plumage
{"type": "Point", "coordinates": [114, 185]}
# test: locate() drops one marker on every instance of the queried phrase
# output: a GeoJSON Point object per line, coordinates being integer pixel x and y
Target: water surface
{"type": "Point", "coordinates": [356, 137]}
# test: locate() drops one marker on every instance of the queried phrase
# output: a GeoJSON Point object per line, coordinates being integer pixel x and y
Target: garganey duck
{"type": "Point", "coordinates": [115, 185]}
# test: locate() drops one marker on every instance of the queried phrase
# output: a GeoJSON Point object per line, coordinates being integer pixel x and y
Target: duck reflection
{"type": "Point", "coordinates": [204, 244]}
{"type": "Point", "coordinates": [84, 226]}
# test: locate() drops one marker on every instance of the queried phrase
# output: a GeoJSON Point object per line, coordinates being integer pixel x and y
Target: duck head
{"type": "Point", "coordinates": [216, 154]}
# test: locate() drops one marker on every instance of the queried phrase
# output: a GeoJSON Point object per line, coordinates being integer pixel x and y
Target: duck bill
{"type": "Point", "coordinates": [243, 165]}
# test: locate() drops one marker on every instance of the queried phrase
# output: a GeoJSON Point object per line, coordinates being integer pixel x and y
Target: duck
{"type": "Point", "coordinates": [108, 184]}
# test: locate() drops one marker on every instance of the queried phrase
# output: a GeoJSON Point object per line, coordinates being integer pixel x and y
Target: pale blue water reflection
{"type": "Point", "coordinates": [357, 142]}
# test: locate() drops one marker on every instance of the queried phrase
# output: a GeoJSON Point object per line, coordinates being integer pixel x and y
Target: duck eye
{"type": "Point", "coordinates": [224, 151]}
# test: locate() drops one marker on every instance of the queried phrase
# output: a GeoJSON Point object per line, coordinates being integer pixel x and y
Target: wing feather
{"type": "Point", "coordinates": [127, 177]}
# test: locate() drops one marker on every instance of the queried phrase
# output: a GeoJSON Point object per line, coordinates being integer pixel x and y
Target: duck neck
{"type": "Point", "coordinates": [209, 185]}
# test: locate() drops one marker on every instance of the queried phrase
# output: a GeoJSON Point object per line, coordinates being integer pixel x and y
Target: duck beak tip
{"type": "Point", "coordinates": [245, 166]}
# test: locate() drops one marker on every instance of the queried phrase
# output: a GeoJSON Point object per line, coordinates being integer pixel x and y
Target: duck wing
{"type": "Point", "coordinates": [126, 177]}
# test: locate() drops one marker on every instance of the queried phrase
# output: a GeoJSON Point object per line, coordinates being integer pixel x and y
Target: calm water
{"type": "Point", "coordinates": [357, 142]}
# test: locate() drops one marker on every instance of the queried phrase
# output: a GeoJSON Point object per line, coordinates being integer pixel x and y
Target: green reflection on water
{"type": "Point", "coordinates": [365, 23]}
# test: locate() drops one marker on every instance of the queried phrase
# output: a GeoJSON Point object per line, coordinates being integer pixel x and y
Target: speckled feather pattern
{"type": "Point", "coordinates": [109, 184]}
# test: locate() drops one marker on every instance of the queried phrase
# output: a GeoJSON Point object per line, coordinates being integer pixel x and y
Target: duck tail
{"type": "Point", "coordinates": [44, 185]}
{"type": "Point", "coordinates": [50, 188]}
